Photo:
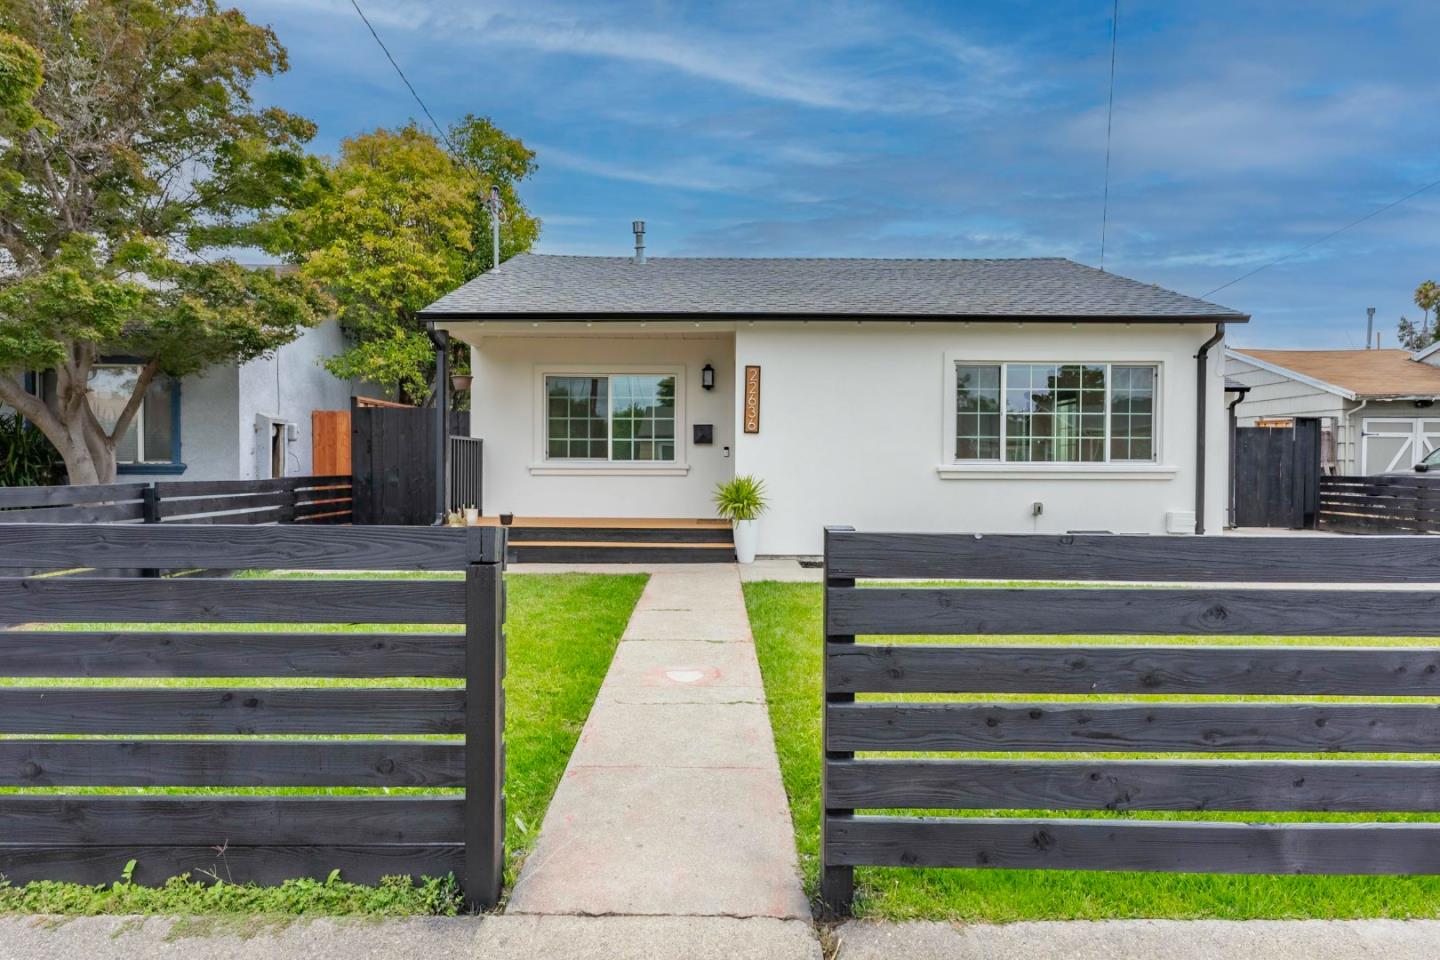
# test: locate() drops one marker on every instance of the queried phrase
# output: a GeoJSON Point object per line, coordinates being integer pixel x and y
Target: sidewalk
{"type": "Point", "coordinates": [672, 803]}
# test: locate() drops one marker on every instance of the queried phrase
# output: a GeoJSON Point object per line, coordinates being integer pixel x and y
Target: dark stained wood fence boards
{"type": "Point", "coordinates": [1408, 503]}
{"type": "Point", "coordinates": [1276, 474]}
{"type": "Point", "coordinates": [253, 838]}
{"type": "Point", "coordinates": [320, 499]}
{"type": "Point", "coordinates": [857, 784]}
{"type": "Point", "coordinates": [392, 462]}
{"type": "Point", "coordinates": [92, 503]}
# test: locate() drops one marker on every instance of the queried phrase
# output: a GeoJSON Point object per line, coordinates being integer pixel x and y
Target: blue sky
{"type": "Point", "coordinates": [1242, 131]}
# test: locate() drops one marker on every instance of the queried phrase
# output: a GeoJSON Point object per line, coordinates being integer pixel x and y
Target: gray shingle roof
{"type": "Point", "coordinates": [533, 285]}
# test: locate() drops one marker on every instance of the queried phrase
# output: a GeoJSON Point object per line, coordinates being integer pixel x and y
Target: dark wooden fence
{"type": "Point", "coordinates": [284, 500]}
{"type": "Point", "coordinates": [1276, 475]}
{"type": "Point", "coordinates": [1408, 503]}
{"type": "Point", "coordinates": [1218, 608]}
{"type": "Point", "coordinates": [265, 839]}
{"type": "Point", "coordinates": [392, 463]}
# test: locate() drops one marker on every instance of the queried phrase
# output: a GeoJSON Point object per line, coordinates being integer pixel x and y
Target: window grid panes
{"type": "Point", "coordinates": [577, 421]}
{"type": "Point", "coordinates": [1132, 413]}
{"type": "Point", "coordinates": [620, 417]}
{"type": "Point", "coordinates": [1054, 412]}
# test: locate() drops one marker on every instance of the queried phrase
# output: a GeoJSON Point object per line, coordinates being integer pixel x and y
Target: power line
{"type": "Point", "coordinates": [404, 79]}
{"type": "Point", "coordinates": [1332, 234]}
{"type": "Point", "coordinates": [1109, 120]}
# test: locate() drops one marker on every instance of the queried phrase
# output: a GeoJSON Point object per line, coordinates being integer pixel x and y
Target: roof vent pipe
{"type": "Point", "coordinates": [1369, 326]}
{"type": "Point", "coordinates": [639, 227]}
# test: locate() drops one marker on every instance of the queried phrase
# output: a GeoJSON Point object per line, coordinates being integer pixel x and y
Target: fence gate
{"type": "Point", "coordinates": [1028, 730]}
{"type": "Point", "coordinates": [1277, 475]}
{"type": "Point", "coordinates": [106, 736]}
{"type": "Point", "coordinates": [392, 457]}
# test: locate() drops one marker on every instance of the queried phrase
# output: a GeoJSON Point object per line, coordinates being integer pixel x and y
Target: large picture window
{"type": "Point", "coordinates": [618, 417]}
{"type": "Point", "coordinates": [1055, 412]}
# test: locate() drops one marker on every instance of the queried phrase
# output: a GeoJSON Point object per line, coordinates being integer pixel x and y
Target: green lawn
{"type": "Point", "coordinates": [786, 620]}
{"type": "Point", "coordinates": [562, 631]}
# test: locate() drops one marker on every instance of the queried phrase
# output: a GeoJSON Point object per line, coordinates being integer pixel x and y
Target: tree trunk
{"type": "Point", "coordinates": [70, 426]}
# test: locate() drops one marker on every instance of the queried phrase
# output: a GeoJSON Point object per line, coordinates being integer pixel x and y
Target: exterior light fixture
{"type": "Point", "coordinates": [707, 377]}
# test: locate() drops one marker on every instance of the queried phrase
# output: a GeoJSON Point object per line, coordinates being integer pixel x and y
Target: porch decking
{"type": "Point", "coordinates": [617, 540]}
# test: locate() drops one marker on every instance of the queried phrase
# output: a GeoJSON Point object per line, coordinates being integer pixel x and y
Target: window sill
{"type": "Point", "coordinates": [149, 469]}
{"type": "Point", "coordinates": [551, 469]}
{"type": "Point", "coordinates": [1056, 471]}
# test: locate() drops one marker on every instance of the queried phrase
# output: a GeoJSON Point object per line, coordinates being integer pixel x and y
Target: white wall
{"type": "Point", "coordinates": [209, 439]}
{"type": "Point", "coordinates": [287, 386]}
{"type": "Point", "coordinates": [507, 415]}
{"type": "Point", "coordinates": [854, 422]}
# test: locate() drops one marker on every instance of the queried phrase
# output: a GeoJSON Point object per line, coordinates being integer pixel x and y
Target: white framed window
{"type": "Point", "coordinates": [1084, 412]}
{"type": "Point", "coordinates": [629, 417]}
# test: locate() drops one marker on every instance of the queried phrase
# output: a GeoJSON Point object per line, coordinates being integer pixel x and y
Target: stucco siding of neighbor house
{"type": "Point", "coordinates": [209, 441]}
{"type": "Point", "coordinates": [857, 428]}
{"type": "Point", "coordinates": [286, 387]}
{"type": "Point", "coordinates": [508, 410]}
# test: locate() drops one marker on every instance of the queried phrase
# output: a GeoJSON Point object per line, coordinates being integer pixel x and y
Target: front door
{"type": "Point", "coordinates": [1396, 444]}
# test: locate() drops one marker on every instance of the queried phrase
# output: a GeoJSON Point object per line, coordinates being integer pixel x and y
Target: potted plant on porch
{"type": "Point", "coordinates": [741, 501]}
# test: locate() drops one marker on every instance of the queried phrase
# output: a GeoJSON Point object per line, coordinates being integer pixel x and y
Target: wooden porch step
{"type": "Point", "coordinates": [618, 540]}
{"type": "Point", "coordinates": [618, 552]}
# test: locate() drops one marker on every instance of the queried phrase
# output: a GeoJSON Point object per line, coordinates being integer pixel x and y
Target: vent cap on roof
{"type": "Point", "coordinates": [639, 227]}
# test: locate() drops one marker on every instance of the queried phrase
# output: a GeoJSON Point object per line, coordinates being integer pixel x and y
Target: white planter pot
{"type": "Point", "coordinates": [747, 536]}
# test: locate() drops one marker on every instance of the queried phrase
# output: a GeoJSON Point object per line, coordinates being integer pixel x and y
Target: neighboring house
{"type": "Point", "coordinates": [864, 392]}
{"type": "Point", "coordinates": [1376, 408]}
{"type": "Point", "coordinates": [230, 422]}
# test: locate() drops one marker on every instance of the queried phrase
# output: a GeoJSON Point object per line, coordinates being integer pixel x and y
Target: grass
{"type": "Point", "coordinates": [561, 632]}
{"type": "Point", "coordinates": [786, 621]}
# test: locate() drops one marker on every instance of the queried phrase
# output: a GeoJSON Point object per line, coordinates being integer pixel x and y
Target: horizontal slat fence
{"type": "Point", "coordinates": [85, 736]}
{"type": "Point", "coordinates": [282, 500]}
{"type": "Point", "coordinates": [866, 793]}
{"type": "Point", "coordinates": [1408, 503]}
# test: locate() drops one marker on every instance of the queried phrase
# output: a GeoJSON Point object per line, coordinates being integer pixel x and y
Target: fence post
{"type": "Point", "coordinates": [150, 513]}
{"type": "Point", "coordinates": [287, 509]}
{"type": "Point", "coordinates": [484, 717]}
{"type": "Point", "coordinates": [837, 883]}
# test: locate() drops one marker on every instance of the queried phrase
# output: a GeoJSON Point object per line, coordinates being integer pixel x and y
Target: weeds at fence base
{"type": "Point", "coordinates": [242, 909]}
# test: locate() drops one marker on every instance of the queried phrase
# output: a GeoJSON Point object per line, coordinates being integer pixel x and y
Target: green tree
{"type": "Point", "coordinates": [137, 155]}
{"type": "Point", "coordinates": [1411, 337]}
{"type": "Point", "coordinates": [395, 222]}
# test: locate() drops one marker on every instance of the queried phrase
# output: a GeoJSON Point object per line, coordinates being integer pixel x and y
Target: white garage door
{"type": "Point", "coordinates": [1396, 443]}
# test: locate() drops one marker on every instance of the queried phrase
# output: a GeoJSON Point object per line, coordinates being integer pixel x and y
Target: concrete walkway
{"type": "Point", "coordinates": [672, 803]}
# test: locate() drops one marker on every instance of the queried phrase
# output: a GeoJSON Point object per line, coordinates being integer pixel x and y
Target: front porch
{"type": "Point", "coordinates": [617, 540]}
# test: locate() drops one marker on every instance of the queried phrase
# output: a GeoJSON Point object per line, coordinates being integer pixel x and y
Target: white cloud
{"type": "Point", "coordinates": [688, 174]}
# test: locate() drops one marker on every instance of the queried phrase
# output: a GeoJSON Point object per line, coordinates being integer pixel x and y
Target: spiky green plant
{"type": "Point", "coordinates": [742, 498]}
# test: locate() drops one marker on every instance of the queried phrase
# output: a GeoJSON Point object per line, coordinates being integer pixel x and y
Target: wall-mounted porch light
{"type": "Point", "coordinates": [707, 377]}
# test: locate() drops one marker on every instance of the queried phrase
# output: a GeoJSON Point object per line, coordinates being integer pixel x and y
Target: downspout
{"type": "Point", "coordinates": [441, 339]}
{"type": "Point", "coordinates": [1233, 419]}
{"type": "Point", "coordinates": [1201, 384]}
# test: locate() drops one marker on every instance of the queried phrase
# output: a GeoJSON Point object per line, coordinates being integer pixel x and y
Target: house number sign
{"type": "Point", "coordinates": [752, 399]}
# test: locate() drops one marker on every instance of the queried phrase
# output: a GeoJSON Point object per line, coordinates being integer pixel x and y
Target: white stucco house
{"type": "Point", "coordinates": [233, 421]}
{"type": "Point", "coordinates": [975, 395]}
{"type": "Point", "coordinates": [1377, 408]}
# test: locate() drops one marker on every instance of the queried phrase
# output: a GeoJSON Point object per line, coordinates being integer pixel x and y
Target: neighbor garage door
{"type": "Point", "coordinates": [1396, 443]}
